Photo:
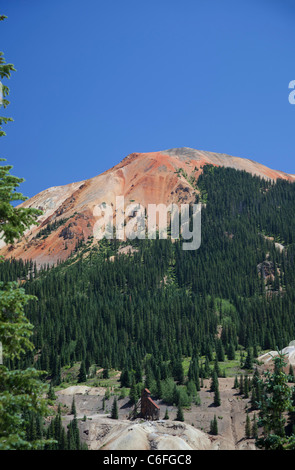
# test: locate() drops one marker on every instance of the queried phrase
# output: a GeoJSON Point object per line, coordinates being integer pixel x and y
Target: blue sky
{"type": "Point", "coordinates": [97, 80]}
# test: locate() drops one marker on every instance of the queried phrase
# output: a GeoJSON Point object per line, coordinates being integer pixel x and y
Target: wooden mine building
{"type": "Point", "coordinates": [149, 409]}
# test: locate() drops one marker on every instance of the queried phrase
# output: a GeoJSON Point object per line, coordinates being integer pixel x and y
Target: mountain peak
{"type": "Point", "coordinates": [147, 178]}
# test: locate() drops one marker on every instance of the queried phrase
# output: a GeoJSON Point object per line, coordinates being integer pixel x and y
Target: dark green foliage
{"type": "Point", "coordinates": [214, 382]}
{"type": "Point", "coordinates": [51, 227]}
{"type": "Point", "coordinates": [34, 426]}
{"type": "Point", "coordinates": [214, 426]}
{"type": "Point", "coordinates": [214, 387]}
{"type": "Point", "coordinates": [231, 352]}
{"type": "Point", "coordinates": [169, 395]}
{"type": "Point", "coordinates": [177, 370]}
{"type": "Point", "coordinates": [220, 351]}
{"type": "Point", "coordinates": [56, 432]}
{"type": "Point", "coordinates": [256, 389]}
{"type": "Point", "coordinates": [13, 220]}
{"type": "Point", "coordinates": [248, 427]}
{"type": "Point", "coordinates": [198, 399]}
{"type": "Point", "coordinates": [241, 385]}
{"type": "Point", "coordinates": [125, 378]}
{"type": "Point", "coordinates": [276, 402]}
{"type": "Point", "coordinates": [51, 395]}
{"type": "Point", "coordinates": [105, 373]}
{"type": "Point", "coordinates": [246, 386]}
{"type": "Point", "coordinates": [191, 389]}
{"type": "Point", "coordinates": [73, 408]}
{"type": "Point", "coordinates": [254, 428]}
{"type": "Point", "coordinates": [179, 416]}
{"type": "Point", "coordinates": [217, 401]}
{"type": "Point", "coordinates": [73, 436]}
{"type": "Point", "coordinates": [249, 359]}
{"type": "Point", "coordinates": [216, 367]}
{"type": "Point", "coordinates": [82, 373]}
{"type": "Point", "coordinates": [139, 311]}
{"type": "Point", "coordinates": [133, 395]}
{"type": "Point", "coordinates": [194, 372]}
{"type": "Point", "coordinates": [114, 414]}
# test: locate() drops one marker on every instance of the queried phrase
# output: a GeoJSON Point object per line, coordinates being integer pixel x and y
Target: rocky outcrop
{"type": "Point", "coordinates": [106, 434]}
{"type": "Point", "coordinates": [266, 360]}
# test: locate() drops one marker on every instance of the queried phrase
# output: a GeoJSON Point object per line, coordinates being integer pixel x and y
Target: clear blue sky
{"type": "Point", "coordinates": [97, 80]}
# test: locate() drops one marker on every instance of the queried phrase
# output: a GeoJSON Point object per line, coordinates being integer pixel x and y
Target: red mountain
{"type": "Point", "coordinates": [156, 177]}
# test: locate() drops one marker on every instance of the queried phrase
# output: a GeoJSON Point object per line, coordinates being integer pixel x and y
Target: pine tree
{"type": "Point", "coordinates": [105, 373]}
{"type": "Point", "coordinates": [214, 382]}
{"type": "Point", "coordinates": [133, 395]}
{"type": "Point", "coordinates": [216, 401]}
{"type": "Point", "coordinates": [214, 426]}
{"type": "Point", "coordinates": [254, 429]}
{"type": "Point", "coordinates": [231, 353]}
{"type": "Point", "coordinates": [21, 391]}
{"type": "Point", "coordinates": [51, 395]}
{"type": "Point", "coordinates": [241, 385]}
{"type": "Point", "coordinates": [256, 388]}
{"type": "Point", "coordinates": [179, 416]}
{"type": "Point", "coordinates": [73, 436]}
{"type": "Point", "coordinates": [255, 351]}
{"type": "Point", "coordinates": [114, 414]}
{"type": "Point", "coordinates": [138, 374]}
{"type": "Point", "coordinates": [107, 394]}
{"type": "Point", "coordinates": [248, 427]}
{"type": "Point", "coordinates": [159, 388]}
{"type": "Point", "coordinates": [57, 371]}
{"type": "Point", "coordinates": [32, 428]}
{"type": "Point", "coordinates": [82, 373]}
{"type": "Point", "coordinates": [206, 369]}
{"type": "Point", "coordinates": [125, 378]}
{"type": "Point", "coordinates": [249, 360]}
{"type": "Point", "coordinates": [178, 371]}
{"type": "Point", "coordinates": [246, 386]}
{"type": "Point", "coordinates": [191, 389]}
{"type": "Point", "coordinates": [166, 414]}
{"type": "Point", "coordinates": [198, 399]}
{"type": "Point", "coordinates": [220, 351]}
{"type": "Point", "coordinates": [73, 407]}
{"type": "Point", "coordinates": [277, 401]}
{"type": "Point", "coordinates": [63, 440]}
{"type": "Point", "coordinates": [253, 398]}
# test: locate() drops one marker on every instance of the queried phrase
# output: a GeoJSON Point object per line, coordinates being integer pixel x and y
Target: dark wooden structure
{"type": "Point", "coordinates": [149, 409]}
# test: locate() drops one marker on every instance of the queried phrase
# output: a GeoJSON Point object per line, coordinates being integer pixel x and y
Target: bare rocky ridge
{"type": "Point", "coordinates": [154, 435]}
{"type": "Point", "coordinates": [147, 178]}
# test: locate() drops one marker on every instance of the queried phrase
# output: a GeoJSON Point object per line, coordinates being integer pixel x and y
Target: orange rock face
{"type": "Point", "coordinates": [145, 178]}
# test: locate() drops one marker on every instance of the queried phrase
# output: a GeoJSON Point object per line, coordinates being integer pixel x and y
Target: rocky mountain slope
{"type": "Point", "coordinates": [166, 177]}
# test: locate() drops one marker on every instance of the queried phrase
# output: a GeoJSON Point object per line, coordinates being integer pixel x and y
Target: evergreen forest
{"type": "Point", "coordinates": [150, 309]}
